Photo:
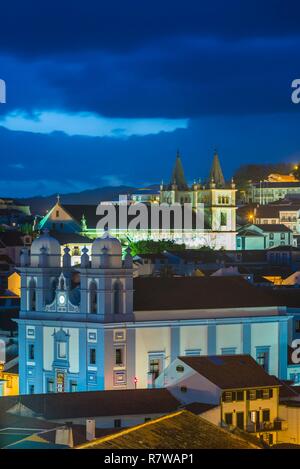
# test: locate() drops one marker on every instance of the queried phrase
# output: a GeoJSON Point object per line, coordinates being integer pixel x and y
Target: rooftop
{"type": "Point", "coordinates": [231, 371]}
{"type": "Point", "coordinates": [181, 430]}
{"type": "Point", "coordinates": [95, 403]}
{"type": "Point", "coordinates": [188, 293]}
{"type": "Point", "coordinates": [272, 227]}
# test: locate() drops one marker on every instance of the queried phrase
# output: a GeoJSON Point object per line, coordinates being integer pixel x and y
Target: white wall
{"type": "Point", "coordinates": [150, 339]}
{"type": "Point", "coordinates": [229, 335]}
{"type": "Point", "coordinates": [48, 348]}
{"type": "Point", "coordinates": [193, 337]}
{"type": "Point", "coordinates": [266, 334]}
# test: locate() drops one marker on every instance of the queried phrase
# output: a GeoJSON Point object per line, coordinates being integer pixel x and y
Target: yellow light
{"type": "Point", "coordinates": [296, 168]}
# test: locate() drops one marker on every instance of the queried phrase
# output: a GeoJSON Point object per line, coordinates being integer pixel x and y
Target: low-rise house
{"type": "Point", "coordinates": [109, 409]}
{"type": "Point", "coordinates": [180, 430]}
{"type": "Point", "coordinates": [244, 395]}
{"type": "Point", "coordinates": [266, 192]}
{"type": "Point", "coordinates": [264, 236]}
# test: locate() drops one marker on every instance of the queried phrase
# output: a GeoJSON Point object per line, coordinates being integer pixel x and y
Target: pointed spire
{"type": "Point", "coordinates": [58, 199]}
{"type": "Point", "coordinates": [178, 177]}
{"type": "Point", "coordinates": [216, 173]}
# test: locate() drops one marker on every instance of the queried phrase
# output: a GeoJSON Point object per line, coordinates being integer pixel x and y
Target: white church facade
{"type": "Point", "coordinates": [94, 327]}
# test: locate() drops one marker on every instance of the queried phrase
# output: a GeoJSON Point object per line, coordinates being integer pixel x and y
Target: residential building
{"type": "Point", "coordinates": [108, 409]}
{"type": "Point", "coordinates": [178, 431]}
{"type": "Point", "coordinates": [264, 236]}
{"type": "Point", "coordinates": [246, 396]}
{"type": "Point", "coordinates": [265, 192]}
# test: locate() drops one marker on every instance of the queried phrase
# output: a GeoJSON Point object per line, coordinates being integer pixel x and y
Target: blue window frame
{"type": "Point", "coordinates": [262, 357]}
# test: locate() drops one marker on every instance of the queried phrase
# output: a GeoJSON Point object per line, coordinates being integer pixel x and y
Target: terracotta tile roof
{"type": "Point", "coordinates": [273, 228]}
{"type": "Point", "coordinates": [96, 403]}
{"type": "Point", "coordinates": [231, 371]}
{"type": "Point", "coordinates": [181, 430]}
{"type": "Point", "coordinates": [199, 407]}
{"type": "Point", "coordinates": [198, 293]}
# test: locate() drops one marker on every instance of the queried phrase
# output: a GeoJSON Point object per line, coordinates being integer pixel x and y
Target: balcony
{"type": "Point", "coordinates": [276, 425]}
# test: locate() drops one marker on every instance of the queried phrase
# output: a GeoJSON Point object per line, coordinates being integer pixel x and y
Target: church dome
{"type": "Point", "coordinates": [110, 246]}
{"type": "Point", "coordinates": [51, 247]}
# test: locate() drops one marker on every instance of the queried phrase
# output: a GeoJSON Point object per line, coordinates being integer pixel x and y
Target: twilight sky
{"type": "Point", "coordinates": [103, 93]}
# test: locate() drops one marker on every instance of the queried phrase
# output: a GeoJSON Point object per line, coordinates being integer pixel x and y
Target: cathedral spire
{"type": "Point", "coordinates": [178, 177]}
{"type": "Point", "coordinates": [216, 173]}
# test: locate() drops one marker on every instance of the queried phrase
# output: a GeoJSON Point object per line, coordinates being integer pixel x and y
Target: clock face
{"type": "Point", "coordinates": [61, 299]}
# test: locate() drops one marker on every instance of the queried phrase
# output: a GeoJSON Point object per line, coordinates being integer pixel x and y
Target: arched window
{"type": "Point", "coordinates": [117, 297]}
{"type": "Point", "coordinates": [32, 295]}
{"type": "Point", "coordinates": [93, 298]}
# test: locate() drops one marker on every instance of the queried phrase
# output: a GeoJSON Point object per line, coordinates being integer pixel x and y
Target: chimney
{"type": "Point", "coordinates": [90, 429]}
{"type": "Point", "coordinates": [64, 435]}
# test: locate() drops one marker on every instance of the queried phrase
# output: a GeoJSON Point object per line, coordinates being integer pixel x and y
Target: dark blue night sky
{"type": "Point", "coordinates": [103, 93]}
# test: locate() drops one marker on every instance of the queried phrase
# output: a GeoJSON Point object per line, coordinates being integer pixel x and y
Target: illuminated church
{"type": "Point", "coordinates": [219, 199]}
{"type": "Point", "coordinates": [94, 326]}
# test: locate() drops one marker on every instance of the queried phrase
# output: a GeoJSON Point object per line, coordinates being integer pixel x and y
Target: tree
{"type": "Point", "coordinates": [154, 247]}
